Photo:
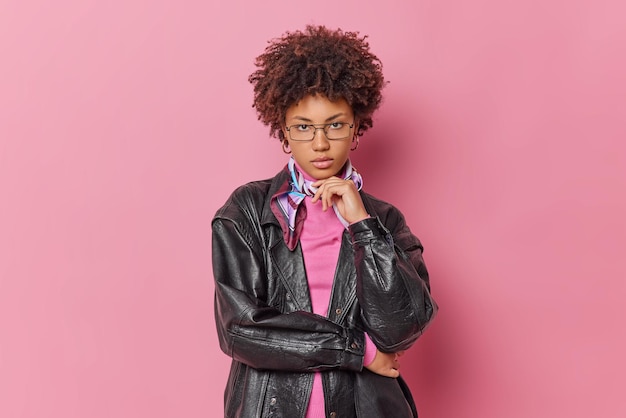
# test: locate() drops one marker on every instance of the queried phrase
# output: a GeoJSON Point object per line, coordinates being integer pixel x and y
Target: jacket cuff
{"type": "Point", "coordinates": [355, 349]}
{"type": "Point", "coordinates": [368, 229]}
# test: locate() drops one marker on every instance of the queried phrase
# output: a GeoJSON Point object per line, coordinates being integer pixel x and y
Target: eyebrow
{"type": "Point", "coordinates": [303, 119]}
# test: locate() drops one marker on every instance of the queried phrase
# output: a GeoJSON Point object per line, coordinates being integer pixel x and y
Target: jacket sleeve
{"type": "Point", "coordinates": [392, 282]}
{"type": "Point", "coordinates": [259, 335]}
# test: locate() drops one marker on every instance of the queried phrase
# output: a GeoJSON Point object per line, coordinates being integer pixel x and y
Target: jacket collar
{"type": "Point", "coordinates": [280, 181]}
{"type": "Point", "coordinates": [279, 184]}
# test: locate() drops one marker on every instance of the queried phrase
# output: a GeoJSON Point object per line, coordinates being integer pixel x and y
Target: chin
{"type": "Point", "coordinates": [323, 174]}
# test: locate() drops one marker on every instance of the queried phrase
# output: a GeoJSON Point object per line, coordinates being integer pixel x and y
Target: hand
{"type": "Point", "coordinates": [386, 364]}
{"type": "Point", "coordinates": [344, 195]}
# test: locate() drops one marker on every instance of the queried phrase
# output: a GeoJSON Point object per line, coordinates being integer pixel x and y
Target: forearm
{"type": "Point", "coordinates": [395, 300]}
{"type": "Point", "coordinates": [299, 341]}
{"type": "Point", "coordinates": [260, 335]}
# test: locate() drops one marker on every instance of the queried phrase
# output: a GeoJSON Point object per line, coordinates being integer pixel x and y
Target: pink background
{"type": "Point", "coordinates": [124, 125]}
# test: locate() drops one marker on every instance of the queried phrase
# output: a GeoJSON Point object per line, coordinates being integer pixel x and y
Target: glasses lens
{"type": "Point", "coordinates": [337, 130]}
{"type": "Point", "coordinates": [302, 132]}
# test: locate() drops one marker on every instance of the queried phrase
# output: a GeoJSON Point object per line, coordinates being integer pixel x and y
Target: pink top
{"type": "Point", "coordinates": [321, 240]}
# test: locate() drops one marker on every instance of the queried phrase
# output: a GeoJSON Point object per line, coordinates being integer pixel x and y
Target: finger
{"type": "Point", "coordinates": [328, 196]}
{"type": "Point", "coordinates": [317, 196]}
{"type": "Point", "coordinates": [321, 186]}
{"type": "Point", "coordinates": [331, 197]}
{"type": "Point", "coordinates": [318, 183]}
{"type": "Point", "coordinates": [389, 372]}
{"type": "Point", "coordinates": [396, 363]}
{"type": "Point", "coordinates": [324, 197]}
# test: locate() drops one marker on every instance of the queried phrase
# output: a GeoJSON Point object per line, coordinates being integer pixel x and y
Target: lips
{"type": "Point", "coordinates": [322, 162]}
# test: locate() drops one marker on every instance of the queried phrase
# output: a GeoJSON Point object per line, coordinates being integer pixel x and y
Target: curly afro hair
{"type": "Point", "coordinates": [317, 60]}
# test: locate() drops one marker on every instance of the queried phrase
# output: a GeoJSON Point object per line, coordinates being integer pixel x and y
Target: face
{"type": "Point", "coordinates": [321, 158]}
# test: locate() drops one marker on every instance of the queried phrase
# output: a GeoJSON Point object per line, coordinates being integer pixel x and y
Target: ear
{"type": "Point", "coordinates": [284, 134]}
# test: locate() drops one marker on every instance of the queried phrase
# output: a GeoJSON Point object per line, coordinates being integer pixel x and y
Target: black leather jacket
{"type": "Point", "coordinates": [263, 309]}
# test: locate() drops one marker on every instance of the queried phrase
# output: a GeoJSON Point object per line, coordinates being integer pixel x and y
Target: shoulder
{"type": "Point", "coordinates": [244, 199]}
{"type": "Point", "coordinates": [392, 219]}
{"type": "Point", "coordinates": [251, 201]}
{"type": "Point", "coordinates": [388, 214]}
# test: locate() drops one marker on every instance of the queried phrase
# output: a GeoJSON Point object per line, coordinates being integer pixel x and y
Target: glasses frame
{"type": "Point", "coordinates": [323, 126]}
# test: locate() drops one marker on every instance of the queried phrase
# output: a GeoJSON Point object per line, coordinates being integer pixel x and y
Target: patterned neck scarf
{"type": "Point", "coordinates": [300, 187]}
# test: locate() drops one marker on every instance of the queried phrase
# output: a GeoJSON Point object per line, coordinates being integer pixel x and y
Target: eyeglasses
{"type": "Point", "coordinates": [333, 131]}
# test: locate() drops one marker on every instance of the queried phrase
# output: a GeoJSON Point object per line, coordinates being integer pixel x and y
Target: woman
{"type": "Point", "coordinates": [320, 287]}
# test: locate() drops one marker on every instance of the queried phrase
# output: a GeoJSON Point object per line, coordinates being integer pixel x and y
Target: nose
{"type": "Point", "coordinates": [320, 142]}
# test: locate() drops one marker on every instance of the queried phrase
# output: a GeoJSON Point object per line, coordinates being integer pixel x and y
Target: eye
{"type": "Point", "coordinates": [336, 125]}
{"type": "Point", "coordinates": [303, 128]}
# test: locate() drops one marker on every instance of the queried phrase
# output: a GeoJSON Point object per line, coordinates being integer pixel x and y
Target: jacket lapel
{"type": "Point", "coordinates": [289, 266]}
